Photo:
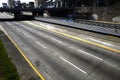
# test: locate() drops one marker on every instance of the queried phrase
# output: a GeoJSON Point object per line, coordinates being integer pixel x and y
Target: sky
{"type": "Point", "coordinates": [5, 1]}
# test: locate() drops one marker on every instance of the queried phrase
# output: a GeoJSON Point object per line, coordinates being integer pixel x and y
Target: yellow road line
{"type": "Point", "coordinates": [105, 22]}
{"type": "Point", "coordinates": [25, 57]}
{"type": "Point", "coordinates": [111, 36]}
{"type": "Point", "coordinates": [77, 38]}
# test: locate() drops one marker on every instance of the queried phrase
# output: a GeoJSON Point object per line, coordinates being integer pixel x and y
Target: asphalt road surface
{"type": "Point", "coordinates": [63, 53]}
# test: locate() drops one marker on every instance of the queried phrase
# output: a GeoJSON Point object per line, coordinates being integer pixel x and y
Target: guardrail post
{"type": "Point", "coordinates": [17, 15]}
{"type": "Point", "coordinates": [116, 28]}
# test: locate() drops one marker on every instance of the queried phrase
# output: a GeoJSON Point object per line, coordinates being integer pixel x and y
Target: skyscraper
{"type": "Point", "coordinates": [4, 5]}
{"type": "Point", "coordinates": [14, 3]}
{"type": "Point", "coordinates": [10, 3]}
{"type": "Point", "coordinates": [36, 3]}
{"type": "Point", "coordinates": [17, 4]}
{"type": "Point", "coordinates": [39, 2]}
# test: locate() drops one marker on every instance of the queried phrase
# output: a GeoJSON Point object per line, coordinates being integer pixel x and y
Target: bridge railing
{"type": "Point", "coordinates": [110, 28]}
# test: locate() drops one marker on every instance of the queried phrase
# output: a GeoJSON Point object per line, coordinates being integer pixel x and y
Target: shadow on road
{"type": "Point", "coordinates": [23, 18]}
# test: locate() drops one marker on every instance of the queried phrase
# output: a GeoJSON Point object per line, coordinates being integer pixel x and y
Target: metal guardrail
{"type": "Point", "coordinates": [101, 27]}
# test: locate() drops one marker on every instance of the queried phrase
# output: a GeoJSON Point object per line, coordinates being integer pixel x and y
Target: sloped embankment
{"type": "Point", "coordinates": [8, 70]}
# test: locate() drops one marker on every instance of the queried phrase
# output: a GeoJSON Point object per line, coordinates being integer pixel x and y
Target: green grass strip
{"type": "Point", "coordinates": [8, 71]}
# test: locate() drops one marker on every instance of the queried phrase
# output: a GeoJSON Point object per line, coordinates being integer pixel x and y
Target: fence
{"type": "Point", "coordinates": [101, 27]}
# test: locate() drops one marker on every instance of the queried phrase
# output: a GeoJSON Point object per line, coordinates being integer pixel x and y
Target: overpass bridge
{"type": "Point", "coordinates": [61, 12]}
{"type": "Point", "coordinates": [102, 13]}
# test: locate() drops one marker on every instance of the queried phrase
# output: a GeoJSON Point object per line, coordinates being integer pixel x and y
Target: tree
{"type": "Point", "coordinates": [111, 2]}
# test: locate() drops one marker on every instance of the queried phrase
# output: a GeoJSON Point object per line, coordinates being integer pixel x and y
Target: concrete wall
{"type": "Point", "coordinates": [89, 13]}
{"type": "Point", "coordinates": [103, 13]}
{"type": "Point", "coordinates": [107, 13]}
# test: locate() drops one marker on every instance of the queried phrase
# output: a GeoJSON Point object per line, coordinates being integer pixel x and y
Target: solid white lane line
{"type": "Point", "coordinates": [56, 40]}
{"type": "Point", "coordinates": [91, 55]}
{"type": "Point", "coordinates": [3, 29]}
{"type": "Point", "coordinates": [9, 23]}
{"type": "Point", "coordinates": [101, 42]}
{"type": "Point", "coordinates": [41, 45]}
{"type": "Point", "coordinates": [51, 27]}
{"type": "Point", "coordinates": [73, 65]}
{"type": "Point", "coordinates": [26, 35]}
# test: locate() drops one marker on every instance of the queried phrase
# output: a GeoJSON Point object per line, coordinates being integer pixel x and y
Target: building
{"type": "Point", "coordinates": [73, 3]}
{"type": "Point", "coordinates": [4, 5]}
{"type": "Point", "coordinates": [39, 2]}
{"type": "Point", "coordinates": [14, 3]}
{"type": "Point", "coordinates": [36, 3]}
{"type": "Point", "coordinates": [31, 5]}
{"type": "Point", "coordinates": [10, 3]}
{"type": "Point", "coordinates": [17, 4]}
{"type": "Point", "coordinates": [24, 5]}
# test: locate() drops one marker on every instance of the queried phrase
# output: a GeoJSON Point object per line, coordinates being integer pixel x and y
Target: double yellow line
{"type": "Point", "coordinates": [77, 38]}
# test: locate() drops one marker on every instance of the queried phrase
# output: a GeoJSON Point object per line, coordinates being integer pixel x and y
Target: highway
{"type": "Point", "coordinates": [63, 53]}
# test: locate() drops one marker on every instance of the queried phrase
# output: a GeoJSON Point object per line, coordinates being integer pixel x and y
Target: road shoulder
{"type": "Point", "coordinates": [23, 68]}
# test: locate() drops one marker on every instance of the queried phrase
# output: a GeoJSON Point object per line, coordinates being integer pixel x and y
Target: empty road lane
{"type": "Point", "coordinates": [62, 53]}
